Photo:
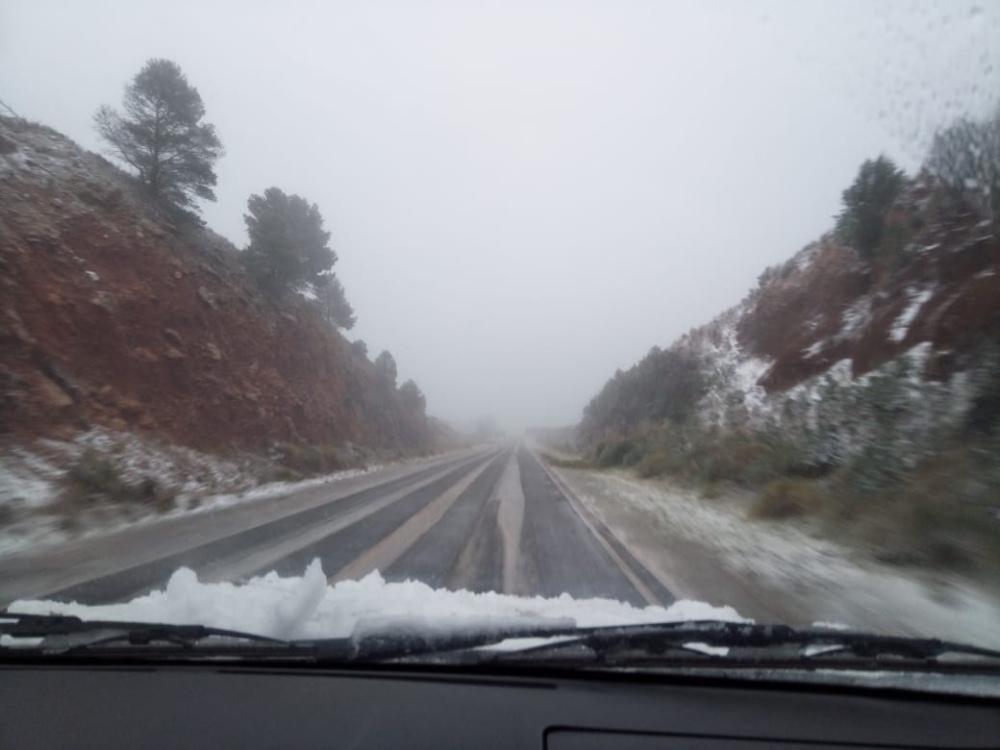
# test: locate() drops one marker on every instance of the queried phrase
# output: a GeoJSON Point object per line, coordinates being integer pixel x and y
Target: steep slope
{"type": "Point", "coordinates": [865, 392]}
{"type": "Point", "coordinates": [117, 313]}
{"type": "Point", "coordinates": [827, 314]}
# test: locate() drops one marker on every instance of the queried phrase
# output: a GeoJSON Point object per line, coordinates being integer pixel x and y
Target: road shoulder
{"type": "Point", "coordinates": [709, 550]}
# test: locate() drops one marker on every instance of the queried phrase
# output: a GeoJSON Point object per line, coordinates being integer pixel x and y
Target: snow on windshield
{"type": "Point", "coordinates": [307, 607]}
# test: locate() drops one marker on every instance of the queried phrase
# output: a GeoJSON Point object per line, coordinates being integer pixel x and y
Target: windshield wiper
{"type": "Point", "coordinates": [702, 643]}
{"type": "Point", "coordinates": [67, 634]}
{"type": "Point", "coordinates": [708, 643]}
{"type": "Point", "coordinates": [728, 644]}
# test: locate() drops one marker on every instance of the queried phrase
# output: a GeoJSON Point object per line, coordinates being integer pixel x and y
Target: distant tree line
{"type": "Point", "coordinates": [663, 386]}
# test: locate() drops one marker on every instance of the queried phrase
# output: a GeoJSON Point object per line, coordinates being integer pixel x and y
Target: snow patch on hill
{"type": "Point", "coordinates": [918, 298]}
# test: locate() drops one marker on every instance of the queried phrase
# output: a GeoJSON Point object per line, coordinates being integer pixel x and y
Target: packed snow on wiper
{"type": "Point", "coordinates": [308, 607]}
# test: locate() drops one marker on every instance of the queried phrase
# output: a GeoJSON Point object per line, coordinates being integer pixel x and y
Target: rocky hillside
{"type": "Point", "coordinates": [116, 313]}
{"type": "Point", "coordinates": [826, 315]}
{"type": "Point", "coordinates": [862, 389]}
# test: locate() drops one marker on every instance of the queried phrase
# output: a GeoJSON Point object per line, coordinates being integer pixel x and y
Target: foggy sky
{"type": "Point", "coordinates": [525, 196]}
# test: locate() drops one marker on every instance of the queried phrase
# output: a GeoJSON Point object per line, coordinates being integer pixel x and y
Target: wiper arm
{"type": "Point", "coordinates": [66, 633]}
{"type": "Point", "coordinates": [69, 635]}
{"type": "Point", "coordinates": [737, 644]}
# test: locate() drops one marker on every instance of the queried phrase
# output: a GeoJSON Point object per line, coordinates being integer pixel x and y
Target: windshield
{"type": "Point", "coordinates": [421, 318]}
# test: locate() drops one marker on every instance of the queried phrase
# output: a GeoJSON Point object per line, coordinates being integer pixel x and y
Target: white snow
{"type": "Point", "coordinates": [811, 351]}
{"type": "Point", "coordinates": [25, 479]}
{"type": "Point", "coordinates": [805, 257]}
{"type": "Point", "coordinates": [815, 578]}
{"type": "Point", "coordinates": [736, 372]}
{"type": "Point", "coordinates": [918, 298]}
{"type": "Point", "coordinates": [307, 607]}
{"type": "Point", "coordinates": [855, 317]}
{"type": "Point", "coordinates": [308, 291]}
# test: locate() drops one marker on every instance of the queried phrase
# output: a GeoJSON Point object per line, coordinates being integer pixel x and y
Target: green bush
{"type": "Point", "coordinates": [94, 479]}
{"type": "Point", "coordinates": [566, 463]}
{"type": "Point", "coordinates": [298, 460]}
{"type": "Point", "coordinates": [614, 452]}
{"type": "Point", "coordinates": [95, 476]}
{"type": "Point", "coordinates": [746, 458]}
{"type": "Point", "coordinates": [658, 463]}
{"type": "Point", "coordinates": [749, 459]}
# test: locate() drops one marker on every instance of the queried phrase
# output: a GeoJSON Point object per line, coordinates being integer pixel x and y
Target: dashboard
{"type": "Point", "coordinates": [217, 706]}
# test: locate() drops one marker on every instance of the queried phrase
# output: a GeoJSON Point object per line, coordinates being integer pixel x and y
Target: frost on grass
{"type": "Point", "coordinates": [835, 417]}
{"type": "Point", "coordinates": [40, 504]}
{"type": "Point", "coordinates": [735, 394]}
{"type": "Point", "coordinates": [307, 607]}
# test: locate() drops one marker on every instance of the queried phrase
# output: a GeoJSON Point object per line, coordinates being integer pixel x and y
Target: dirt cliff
{"type": "Point", "coordinates": [115, 312]}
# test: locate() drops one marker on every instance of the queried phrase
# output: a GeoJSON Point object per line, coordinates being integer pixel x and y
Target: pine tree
{"type": "Point", "coordinates": [333, 302]}
{"type": "Point", "coordinates": [385, 364]}
{"type": "Point", "coordinates": [288, 245]}
{"type": "Point", "coordinates": [412, 398]}
{"type": "Point", "coordinates": [866, 204]}
{"type": "Point", "coordinates": [161, 134]}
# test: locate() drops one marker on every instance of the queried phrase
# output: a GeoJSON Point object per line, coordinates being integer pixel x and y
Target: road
{"type": "Point", "coordinates": [495, 519]}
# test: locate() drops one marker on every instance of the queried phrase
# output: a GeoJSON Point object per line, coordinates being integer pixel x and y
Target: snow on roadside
{"type": "Point", "coordinates": [33, 513]}
{"type": "Point", "coordinates": [307, 607]}
{"type": "Point", "coordinates": [785, 563]}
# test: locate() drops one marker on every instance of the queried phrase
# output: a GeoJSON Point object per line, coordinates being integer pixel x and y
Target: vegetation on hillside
{"type": "Point", "coordinates": [290, 376]}
{"type": "Point", "coordinates": [289, 251]}
{"type": "Point", "coordinates": [965, 158]}
{"type": "Point", "coordinates": [904, 458]}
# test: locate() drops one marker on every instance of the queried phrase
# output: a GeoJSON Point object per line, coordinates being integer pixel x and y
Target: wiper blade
{"type": "Point", "coordinates": [394, 644]}
{"type": "Point", "coordinates": [67, 633]}
{"type": "Point", "coordinates": [726, 642]}
{"type": "Point", "coordinates": [708, 643]}
{"type": "Point", "coordinates": [743, 643]}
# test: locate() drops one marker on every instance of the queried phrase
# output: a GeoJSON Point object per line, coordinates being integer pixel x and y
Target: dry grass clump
{"type": "Point", "coordinates": [566, 463]}
{"type": "Point", "coordinates": [789, 497]}
{"type": "Point", "coordinates": [95, 480]}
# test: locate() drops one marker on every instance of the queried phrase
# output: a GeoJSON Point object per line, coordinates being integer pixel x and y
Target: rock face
{"type": "Point", "coordinates": [824, 306]}
{"type": "Point", "coordinates": [117, 314]}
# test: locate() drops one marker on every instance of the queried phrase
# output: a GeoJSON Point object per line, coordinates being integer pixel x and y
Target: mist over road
{"type": "Point", "coordinates": [495, 519]}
